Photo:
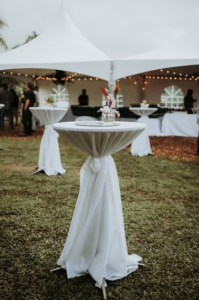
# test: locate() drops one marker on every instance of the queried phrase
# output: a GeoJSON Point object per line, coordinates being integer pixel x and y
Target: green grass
{"type": "Point", "coordinates": [160, 199]}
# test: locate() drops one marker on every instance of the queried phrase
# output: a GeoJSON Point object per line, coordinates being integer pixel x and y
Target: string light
{"type": "Point", "coordinates": [129, 77]}
{"type": "Point", "coordinates": [158, 77]}
{"type": "Point", "coordinates": [170, 78]}
{"type": "Point", "coordinates": [18, 74]}
{"type": "Point", "coordinates": [153, 77]}
{"type": "Point", "coordinates": [180, 78]}
{"type": "Point", "coordinates": [192, 76]}
{"type": "Point", "coordinates": [124, 77]}
{"type": "Point", "coordinates": [145, 82]}
{"type": "Point", "coordinates": [180, 74]}
{"type": "Point", "coordinates": [186, 75]}
{"type": "Point", "coordinates": [26, 75]}
{"type": "Point", "coordinates": [143, 88]}
{"type": "Point", "coordinates": [4, 72]}
{"type": "Point", "coordinates": [96, 78]}
{"type": "Point", "coordinates": [33, 76]}
{"type": "Point", "coordinates": [79, 79]}
{"type": "Point", "coordinates": [162, 77]}
{"type": "Point", "coordinates": [91, 78]}
{"type": "Point", "coordinates": [149, 77]}
{"type": "Point", "coordinates": [135, 82]}
{"type": "Point", "coordinates": [11, 73]}
{"type": "Point", "coordinates": [161, 70]}
{"type": "Point", "coordinates": [174, 73]}
{"type": "Point", "coordinates": [118, 80]}
{"type": "Point", "coordinates": [167, 71]}
{"type": "Point", "coordinates": [85, 79]}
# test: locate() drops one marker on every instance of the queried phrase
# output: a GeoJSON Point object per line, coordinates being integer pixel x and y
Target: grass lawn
{"type": "Point", "coordinates": [160, 199]}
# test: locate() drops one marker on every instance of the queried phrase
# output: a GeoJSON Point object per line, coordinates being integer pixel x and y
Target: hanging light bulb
{"type": "Point", "coordinates": [91, 78]}
{"type": "Point", "coordinates": [174, 73]}
{"type": "Point", "coordinates": [85, 79]}
{"type": "Point", "coordinates": [79, 79]}
{"type": "Point", "coordinates": [26, 75]}
{"type": "Point", "coordinates": [129, 77]}
{"type": "Point", "coordinates": [135, 82]}
{"type": "Point", "coordinates": [161, 70]}
{"type": "Point", "coordinates": [33, 76]}
{"type": "Point", "coordinates": [18, 74]}
{"type": "Point", "coordinates": [186, 75]}
{"type": "Point", "coordinates": [167, 71]}
{"type": "Point", "coordinates": [162, 77]}
{"type": "Point", "coordinates": [153, 77]}
{"type": "Point", "coordinates": [124, 77]}
{"type": "Point", "coordinates": [11, 73]}
{"type": "Point", "coordinates": [96, 78]}
{"type": "Point", "coordinates": [166, 77]}
{"type": "Point", "coordinates": [170, 78]}
{"type": "Point", "coordinates": [4, 72]}
{"type": "Point", "coordinates": [180, 78]}
{"type": "Point", "coordinates": [149, 77]}
{"type": "Point", "coordinates": [143, 88]}
{"type": "Point", "coordinates": [158, 77]}
{"type": "Point", "coordinates": [180, 74]}
{"type": "Point", "coordinates": [118, 80]}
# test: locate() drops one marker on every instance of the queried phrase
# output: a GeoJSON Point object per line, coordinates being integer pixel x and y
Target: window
{"type": "Point", "coordinates": [172, 97]}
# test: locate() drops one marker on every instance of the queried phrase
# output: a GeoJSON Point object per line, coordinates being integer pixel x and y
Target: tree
{"type": "Point", "coordinates": [2, 41]}
{"type": "Point", "coordinates": [28, 39]}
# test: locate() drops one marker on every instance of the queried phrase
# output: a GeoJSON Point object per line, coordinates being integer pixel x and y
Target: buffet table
{"type": "Point", "coordinates": [141, 146]}
{"type": "Point", "coordinates": [96, 242]}
{"type": "Point", "coordinates": [49, 156]}
{"type": "Point", "coordinates": [180, 124]}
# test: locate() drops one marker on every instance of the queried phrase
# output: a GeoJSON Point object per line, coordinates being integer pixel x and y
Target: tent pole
{"type": "Point", "coordinates": [111, 81]}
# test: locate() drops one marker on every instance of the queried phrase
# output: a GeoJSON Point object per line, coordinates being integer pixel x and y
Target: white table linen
{"type": "Point", "coordinates": [49, 155]}
{"type": "Point", "coordinates": [96, 240]}
{"type": "Point", "coordinates": [141, 146]}
{"type": "Point", "coordinates": [180, 124]}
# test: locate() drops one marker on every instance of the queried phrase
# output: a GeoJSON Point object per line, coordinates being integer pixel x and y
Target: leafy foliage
{"type": "Point", "coordinates": [2, 41]}
{"type": "Point", "coordinates": [29, 38]}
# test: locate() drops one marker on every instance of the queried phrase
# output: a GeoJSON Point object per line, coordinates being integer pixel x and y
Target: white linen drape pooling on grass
{"type": "Point", "coordinates": [49, 155]}
{"type": "Point", "coordinates": [96, 241]}
{"type": "Point", "coordinates": [141, 146]}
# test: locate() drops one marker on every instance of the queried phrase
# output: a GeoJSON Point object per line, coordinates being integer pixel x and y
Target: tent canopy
{"type": "Point", "coordinates": [137, 36]}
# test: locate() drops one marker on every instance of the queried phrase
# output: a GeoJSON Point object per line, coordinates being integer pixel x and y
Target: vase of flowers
{"type": "Point", "coordinates": [144, 104]}
{"type": "Point", "coordinates": [49, 102]}
{"type": "Point", "coordinates": [108, 110]}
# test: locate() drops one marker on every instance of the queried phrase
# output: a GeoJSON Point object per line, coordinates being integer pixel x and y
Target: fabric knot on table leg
{"type": "Point", "coordinates": [49, 129]}
{"type": "Point", "coordinates": [93, 163]}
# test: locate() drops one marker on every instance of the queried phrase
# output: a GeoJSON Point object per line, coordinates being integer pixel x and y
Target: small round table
{"type": "Point", "coordinates": [96, 242]}
{"type": "Point", "coordinates": [141, 146]}
{"type": "Point", "coordinates": [49, 156]}
{"type": "Point", "coordinates": [1, 106]}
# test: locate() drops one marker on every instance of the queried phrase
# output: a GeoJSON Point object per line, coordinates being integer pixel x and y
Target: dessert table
{"type": "Point", "coordinates": [1, 106]}
{"type": "Point", "coordinates": [49, 156]}
{"type": "Point", "coordinates": [96, 242]}
{"type": "Point", "coordinates": [141, 146]}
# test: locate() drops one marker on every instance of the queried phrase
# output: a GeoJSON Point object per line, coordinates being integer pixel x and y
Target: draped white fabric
{"type": "Point", "coordinates": [96, 240]}
{"type": "Point", "coordinates": [154, 127]}
{"type": "Point", "coordinates": [180, 124]}
{"type": "Point", "coordinates": [141, 146]}
{"type": "Point", "coordinates": [49, 155]}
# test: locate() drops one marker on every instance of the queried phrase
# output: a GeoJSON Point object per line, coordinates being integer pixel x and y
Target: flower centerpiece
{"type": "Point", "coordinates": [49, 102]}
{"type": "Point", "coordinates": [108, 110]}
{"type": "Point", "coordinates": [144, 104]}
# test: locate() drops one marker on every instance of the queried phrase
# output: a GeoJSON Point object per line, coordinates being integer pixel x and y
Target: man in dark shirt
{"type": "Point", "coordinates": [26, 114]}
{"type": "Point", "coordinates": [188, 102]}
{"type": "Point", "coordinates": [6, 98]}
{"type": "Point", "coordinates": [83, 98]}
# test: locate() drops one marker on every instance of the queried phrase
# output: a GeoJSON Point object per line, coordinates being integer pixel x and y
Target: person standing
{"type": "Point", "coordinates": [188, 102]}
{"type": "Point", "coordinates": [83, 98]}
{"type": "Point", "coordinates": [15, 106]}
{"type": "Point", "coordinates": [6, 98]}
{"type": "Point", "coordinates": [26, 113]}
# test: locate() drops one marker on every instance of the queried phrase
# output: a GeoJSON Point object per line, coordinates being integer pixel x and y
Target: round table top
{"type": "Point", "coordinates": [122, 127]}
{"type": "Point", "coordinates": [143, 111]}
{"type": "Point", "coordinates": [1, 106]}
{"type": "Point", "coordinates": [49, 108]}
{"type": "Point", "coordinates": [48, 115]}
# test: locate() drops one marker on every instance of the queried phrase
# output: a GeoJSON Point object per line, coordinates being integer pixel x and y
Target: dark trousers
{"type": "Point", "coordinates": [198, 142]}
{"type": "Point", "coordinates": [27, 121]}
{"type": "Point", "coordinates": [3, 113]}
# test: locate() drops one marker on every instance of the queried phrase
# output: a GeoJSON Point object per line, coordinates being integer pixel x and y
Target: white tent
{"type": "Point", "coordinates": [62, 47]}
{"type": "Point", "coordinates": [136, 35]}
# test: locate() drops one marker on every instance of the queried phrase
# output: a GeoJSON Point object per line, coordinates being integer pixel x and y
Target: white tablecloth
{"type": "Point", "coordinates": [180, 124]}
{"type": "Point", "coordinates": [141, 146]}
{"type": "Point", "coordinates": [96, 240]}
{"type": "Point", "coordinates": [49, 156]}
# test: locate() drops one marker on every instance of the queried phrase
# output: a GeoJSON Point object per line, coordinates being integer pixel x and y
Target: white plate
{"type": "Point", "coordinates": [96, 123]}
